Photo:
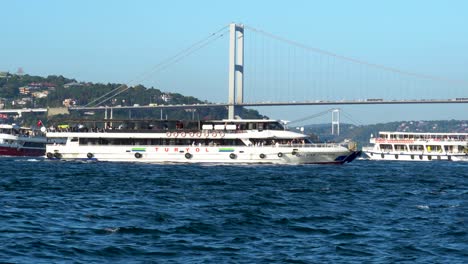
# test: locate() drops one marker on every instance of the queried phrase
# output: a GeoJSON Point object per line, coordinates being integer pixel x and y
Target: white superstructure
{"type": "Point", "coordinates": [418, 146]}
{"type": "Point", "coordinates": [221, 141]}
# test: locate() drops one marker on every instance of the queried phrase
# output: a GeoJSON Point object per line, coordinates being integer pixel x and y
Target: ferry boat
{"type": "Point", "coordinates": [418, 146]}
{"type": "Point", "coordinates": [21, 141]}
{"type": "Point", "coordinates": [221, 141]}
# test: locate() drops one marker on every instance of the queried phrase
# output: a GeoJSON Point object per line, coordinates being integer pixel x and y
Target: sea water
{"type": "Point", "coordinates": [365, 211]}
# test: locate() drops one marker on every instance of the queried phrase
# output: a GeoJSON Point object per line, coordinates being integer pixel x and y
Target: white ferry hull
{"type": "Point", "coordinates": [225, 155]}
{"type": "Point", "coordinates": [415, 156]}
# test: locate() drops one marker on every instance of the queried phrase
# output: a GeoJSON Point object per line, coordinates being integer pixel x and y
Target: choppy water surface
{"type": "Point", "coordinates": [374, 212]}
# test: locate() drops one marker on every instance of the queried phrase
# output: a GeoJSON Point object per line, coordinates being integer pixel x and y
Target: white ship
{"type": "Point", "coordinates": [418, 146]}
{"type": "Point", "coordinates": [221, 141]}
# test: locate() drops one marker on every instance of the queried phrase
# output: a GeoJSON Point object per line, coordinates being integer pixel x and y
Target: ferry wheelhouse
{"type": "Point", "coordinates": [219, 141]}
{"type": "Point", "coordinates": [418, 146]}
{"type": "Point", "coordinates": [21, 141]}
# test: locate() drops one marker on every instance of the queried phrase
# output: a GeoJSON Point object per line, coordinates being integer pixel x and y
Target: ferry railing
{"type": "Point", "coordinates": [143, 130]}
{"type": "Point", "coordinates": [312, 145]}
{"type": "Point", "coordinates": [419, 140]}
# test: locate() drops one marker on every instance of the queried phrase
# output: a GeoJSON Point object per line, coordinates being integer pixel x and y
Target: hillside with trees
{"type": "Point", "coordinates": [25, 91]}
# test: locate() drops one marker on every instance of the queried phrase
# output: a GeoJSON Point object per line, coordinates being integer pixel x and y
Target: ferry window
{"type": "Point", "coordinates": [448, 148]}
{"type": "Point", "coordinates": [412, 157]}
{"type": "Point", "coordinates": [251, 126]}
{"type": "Point", "coordinates": [433, 148]}
{"type": "Point", "coordinates": [260, 126]}
{"type": "Point", "coordinates": [33, 145]}
{"type": "Point", "coordinates": [120, 141]}
{"type": "Point", "coordinates": [85, 141]}
{"type": "Point", "coordinates": [128, 141]}
{"type": "Point", "coordinates": [416, 147]}
{"type": "Point", "coordinates": [399, 147]}
{"type": "Point", "coordinates": [185, 142]}
{"type": "Point", "coordinates": [274, 126]}
{"type": "Point", "coordinates": [74, 139]}
{"type": "Point", "coordinates": [117, 141]}
{"type": "Point", "coordinates": [237, 142]}
{"type": "Point", "coordinates": [141, 141]}
{"type": "Point", "coordinates": [386, 147]}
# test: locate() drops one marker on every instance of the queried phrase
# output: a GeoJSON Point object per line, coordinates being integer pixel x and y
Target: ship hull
{"type": "Point", "coordinates": [225, 155]}
{"type": "Point", "coordinates": [393, 156]}
{"type": "Point", "coordinates": [8, 151]}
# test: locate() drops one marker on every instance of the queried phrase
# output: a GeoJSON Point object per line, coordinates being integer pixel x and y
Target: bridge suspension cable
{"type": "Point", "coordinates": [161, 66]}
{"type": "Point", "coordinates": [311, 116]}
{"type": "Point", "coordinates": [348, 116]}
{"type": "Point", "coordinates": [319, 114]}
{"type": "Point", "coordinates": [357, 61]}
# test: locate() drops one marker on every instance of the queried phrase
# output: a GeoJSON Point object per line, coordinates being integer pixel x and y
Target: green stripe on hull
{"type": "Point", "coordinates": [226, 150]}
{"type": "Point", "coordinates": [139, 149]}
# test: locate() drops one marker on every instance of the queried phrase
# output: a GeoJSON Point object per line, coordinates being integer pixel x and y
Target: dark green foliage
{"type": "Point", "coordinates": [87, 93]}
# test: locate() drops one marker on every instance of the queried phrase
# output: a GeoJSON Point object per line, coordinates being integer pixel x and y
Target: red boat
{"type": "Point", "coordinates": [21, 141]}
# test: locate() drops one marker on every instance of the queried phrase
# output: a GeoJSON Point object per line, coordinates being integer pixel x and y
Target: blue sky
{"type": "Point", "coordinates": [114, 41]}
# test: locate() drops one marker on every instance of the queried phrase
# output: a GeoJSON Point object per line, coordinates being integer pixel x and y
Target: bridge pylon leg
{"type": "Point", "coordinates": [236, 69]}
{"type": "Point", "coordinates": [336, 122]}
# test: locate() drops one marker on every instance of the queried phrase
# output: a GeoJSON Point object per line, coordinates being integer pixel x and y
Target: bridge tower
{"type": "Point", "coordinates": [236, 69]}
{"type": "Point", "coordinates": [336, 122]}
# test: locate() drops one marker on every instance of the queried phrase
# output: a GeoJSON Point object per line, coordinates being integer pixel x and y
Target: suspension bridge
{"type": "Point", "coordinates": [268, 70]}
